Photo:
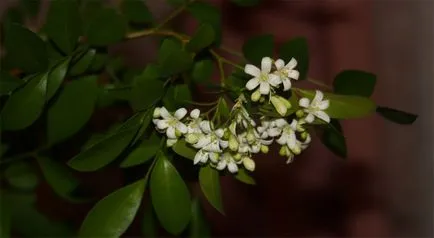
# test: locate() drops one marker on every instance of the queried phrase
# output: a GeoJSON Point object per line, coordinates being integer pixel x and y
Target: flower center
{"type": "Point", "coordinates": [263, 77]}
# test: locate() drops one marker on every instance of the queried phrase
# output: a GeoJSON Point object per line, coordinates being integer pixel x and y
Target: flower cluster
{"type": "Point", "coordinates": [233, 144]}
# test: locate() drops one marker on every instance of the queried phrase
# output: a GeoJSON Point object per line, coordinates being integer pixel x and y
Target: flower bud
{"type": "Point", "coordinates": [279, 105]}
{"type": "Point", "coordinates": [285, 102]}
{"type": "Point", "coordinates": [304, 135]}
{"type": "Point", "coordinates": [192, 138]}
{"type": "Point", "coordinates": [157, 112]}
{"type": "Point", "coordinates": [178, 133]}
{"type": "Point", "coordinates": [299, 113]}
{"type": "Point", "coordinates": [256, 96]}
{"type": "Point", "coordinates": [264, 149]}
{"type": "Point", "coordinates": [250, 137]}
{"type": "Point", "coordinates": [233, 143]}
{"type": "Point", "coordinates": [262, 99]}
{"type": "Point", "coordinates": [300, 128]}
{"type": "Point", "coordinates": [248, 163]}
{"type": "Point", "coordinates": [296, 150]}
{"type": "Point", "coordinates": [282, 151]}
{"type": "Point", "coordinates": [226, 135]}
{"type": "Point", "coordinates": [237, 157]}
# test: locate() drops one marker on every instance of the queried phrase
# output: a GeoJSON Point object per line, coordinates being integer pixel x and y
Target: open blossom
{"type": "Point", "coordinates": [286, 72]}
{"type": "Point", "coordinates": [262, 77]}
{"type": "Point", "coordinates": [227, 161]}
{"type": "Point", "coordinates": [315, 108]}
{"type": "Point", "coordinates": [171, 124]}
{"type": "Point", "coordinates": [194, 125]}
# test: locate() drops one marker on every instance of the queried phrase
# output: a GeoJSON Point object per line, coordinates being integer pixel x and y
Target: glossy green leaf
{"type": "Point", "coordinates": [56, 77]}
{"type": "Point", "coordinates": [63, 24]}
{"type": "Point", "coordinates": [209, 180]}
{"type": "Point", "coordinates": [105, 27]}
{"type": "Point", "coordinates": [144, 124]}
{"type": "Point", "coordinates": [149, 223]}
{"type": "Point", "coordinates": [21, 175]}
{"type": "Point", "coordinates": [83, 63]}
{"type": "Point", "coordinates": [244, 177]}
{"type": "Point", "coordinates": [170, 196]}
{"type": "Point", "coordinates": [183, 149]}
{"type": "Point", "coordinates": [246, 3]}
{"type": "Point", "coordinates": [31, 7]}
{"type": "Point", "coordinates": [103, 152]}
{"type": "Point", "coordinates": [198, 225]}
{"type": "Point", "coordinates": [223, 109]}
{"type": "Point", "coordinates": [354, 82]}
{"type": "Point", "coordinates": [206, 13]}
{"type": "Point", "coordinates": [172, 59]}
{"type": "Point", "coordinates": [59, 177]}
{"type": "Point", "coordinates": [136, 11]}
{"type": "Point", "coordinates": [98, 63]}
{"type": "Point", "coordinates": [112, 215]}
{"type": "Point", "coordinates": [142, 154]}
{"type": "Point", "coordinates": [147, 89]}
{"type": "Point", "coordinates": [25, 105]}
{"type": "Point", "coordinates": [201, 39]}
{"type": "Point", "coordinates": [72, 110]}
{"type": "Point", "coordinates": [25, 50]}
{"type": "Point", "coordinates": [202, 71]}
{"type": "Point", "coordinates": [8, 83]}
{"type": "Point", "coordinates": [296, 48]}
{"type": "Point", "coordinates": [257, 47]}
{"type": "Point", "coordinates": [345, 106]}
{"type": "Point", "coordinates": [333, 139]}
{"type": "Point", "coordinates": [396, 116]}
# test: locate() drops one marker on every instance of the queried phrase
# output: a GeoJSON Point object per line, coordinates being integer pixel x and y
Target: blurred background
{"type": "Point", "coordinates": [384, 188]}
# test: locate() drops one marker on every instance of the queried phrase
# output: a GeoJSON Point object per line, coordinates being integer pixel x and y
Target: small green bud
{"type": "Point", "coordinates": [192, 138]}
{"type": "Point", "coordinates": [249, 164]}
{"type": "Point", "coordinates": [300, 128]}
{"type": "Point", "coordinates": [282, 151]}
{"type": "Point", "coordinates": [250, 137]}
{"type": "Point", "coordinates": [233, 143]}
{"type": "Point", "coordinates": [299, 113]}
{"type": "Point", "coordinates": [178, 133]}
{"type": "Point", "coordinates": [262, 99]}
{"type": "Point", "coordinates": [157, 112]}
{"type": "Point", "coordinates": [279, 105]}
{"type": "Point", "coordinates": [237, 157]}
{"type": "Point", "coordinates": [304, 135]}
{"type": "Point", "coordinates": [226, 135]}
{"type": "Point", "coordinates": [264, 149]}
{"type": "Point", "coordinates": [256, 96]}
{"type": "Point", "coordinates": [296, 150]}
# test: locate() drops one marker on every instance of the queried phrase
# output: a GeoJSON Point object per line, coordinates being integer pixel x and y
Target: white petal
{"type": "Point", "coordinates": [292, 141]}
{"type": "Point", "coordinates": [171, 142]}
{"type": "Point", "coordinates": [264, 88]}
{"type": "Point", "coordinates": [266, 64]}
{"type": "Point", "coordinates": [304, 102]}
{"type": "Point", "coordinates": [232, 167]}
{"type": "Point", "coordinates": [195, 113]}
{"type": "Point", "coordinates": [293, 124]}
{"type": "Point", "coordinates": [308, 139]}
{"type": "Point", "coordinates": [170, 132]}
{"type": "Point", "coordinates": [279, 64]}
{"type": "Point", "coordinates": [261, 129]}
{"type": "Point", "coordinates": [255, 149]}
{"type": "Point", "coordinates": [291, 64]}
{"type": "Point", "coordinates": [203, 141]}
{"type": "Point", "coordinates": [220, 133]}
{"type": "Point", "coordinates": [286, 84]}
{"type": "Point", "coordinates": [282, 140]}
{"type": "Point", "coordinates": [198, 157]}
{"type": "Point", "coordinates": [274, 80]}
{"type": "Point", "coordinates": [214, 146]}
{"type": "Point", "coordinates": [323, 116]}
{"type": "Point", "coordinates": [221, 165]}
{"type": "Point", "coordinates": [224, 144]}
{"type": "Point", "coordinates": [252, 70]}
{"type": "Point", "coordinates": [243, 148]}
{"type": "Point", "coordinates": [162, 124]}
{"type": "Point", "coordinates": [318, 97]}
{"type": "Point", "coordinates": [309, 118]}
{"type": "Point", "coordinates": [294, 74]}
{"type": "Point", "coordinates": [164, 113]}
{"type": "Point", "coordinates": [273, 132]}
{"type": "Point", "coordinates": [181, 127]}
{"type": "Point", "coordinates": [323, 104]}
{"type": "Point", "coordinates": [280, 122]}
{"type": "Point", "coordinates": [213, 157]}
{"type": "Point", "coordinates": [252, 83]}
{"type": "Point", "coordinates": [205, 157]}
{"type": "Point", "coordinates": [266, 142]}
{"type": "Point", "coordinates": [155, 121]}
{"type": "Point", "coordinates": [205, 126]}
{"type": "Point", "coordinates": [180, 113]}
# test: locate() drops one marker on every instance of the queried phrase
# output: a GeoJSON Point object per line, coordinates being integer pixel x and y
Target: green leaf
{"type": "Point", "coordinates": [355, 82]}
{"type": "Point", "coordinates": [25, 50]}
{"type": "Point", "coordinates": [177, 96]}
{"type": "Point", "coordinates": [98, 62]}
{"type": "Point", "coordinates": [246, 3]}
{"type": "Point", "coordinates": [136, 11]}
{"type": "Point", "coordinates": [244, 177]}
{"type": "Point", "coordinates": [334, 140]}
{"type": "Point", "coordinates": [209, 180]}
{"type": "Point", "coordinates": [25, 105]}
{"type": "Point", "coordinates": [147, 89]}
{"type": "Point", "coordinates": [172, 59]}
{"type": "Point", "coordinates": [21, 175]}
{"type": "Point", "coordinates": [63, 24]}
{"type": "Point", "coordinates": [223, 109]}
{"type": "Point", "coordinates": [105, 27]}
{"type": "Point", "coordinates": [202, 71]}
{"type": "Point", "coordinates": [142, 154]}
{"type": "Point", "coordinates": [183, 149]}
{"type": "Point", "coordinates": [56, 77]}
{"type": "Point", "coordinates": [83, 63]}
{"type": "Point", "coordinates": [149, 223]}
{"type": "Point", "coordinates": [112, 215]}
{"type": "Point", "coordinates": [103, 152]}
{"type": "Point", "coordinates": [396, 116]}
{"type": "Point", "coordinates": [144, 124]}
{"type": "Point", "coordinates": [31, 7]}
{"type": "Point", "coordinates": [3, 149]}
{"type": "Point", "coordinates": [345, 106]}
{"type": "Point", "coordinates": [257, 47]}
{"type": "Point", "coordinates": [8, 83]}
{"type": "Point", "coordinates": [203, 37]}
{"type": "Point", "coordinates": [13, 15]}
{"type": "Point", "coordinates": [170, 196]}
{"type": "Point", "coordinates": [59, 177]}
{"type": "Point", "coordinates": [206, 13]}
{"type": "Point", "coordinates": [5, 220]}
{"type": "Point", "coordinates": [296, 48]}
{"type": "Point", "coordinates": [72, 110]}
{"type": "Point", "coordinates": [198, 225]}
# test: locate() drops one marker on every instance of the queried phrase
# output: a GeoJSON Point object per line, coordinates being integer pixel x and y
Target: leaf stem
{"type": "Point", "coordinates": [174, 14]}
{"type": "Point", "coordinates": [318, 83]}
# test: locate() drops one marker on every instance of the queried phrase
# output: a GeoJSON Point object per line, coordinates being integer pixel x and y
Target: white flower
{"type": "Point", "coordinates": [211, 141]}
{"type": "Point", "coordinates": [288, 136]}
{"type": "Point", "coordinates": [194, 125]}
{"type": "Point", "coordinates": [276, 126]}
{"type": "Point", "coordinates": [262, 77]}
{"type": "Point", "coordinates": [202, 156]}
{"type": "Point", "coordinates": [171, 124]}
{"type": "Point", "coordinates": [286, 72]}
{"type": "Point", "coordinates": [226, 160]}
{"type": "Point", "coordinates": [315, 108]}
